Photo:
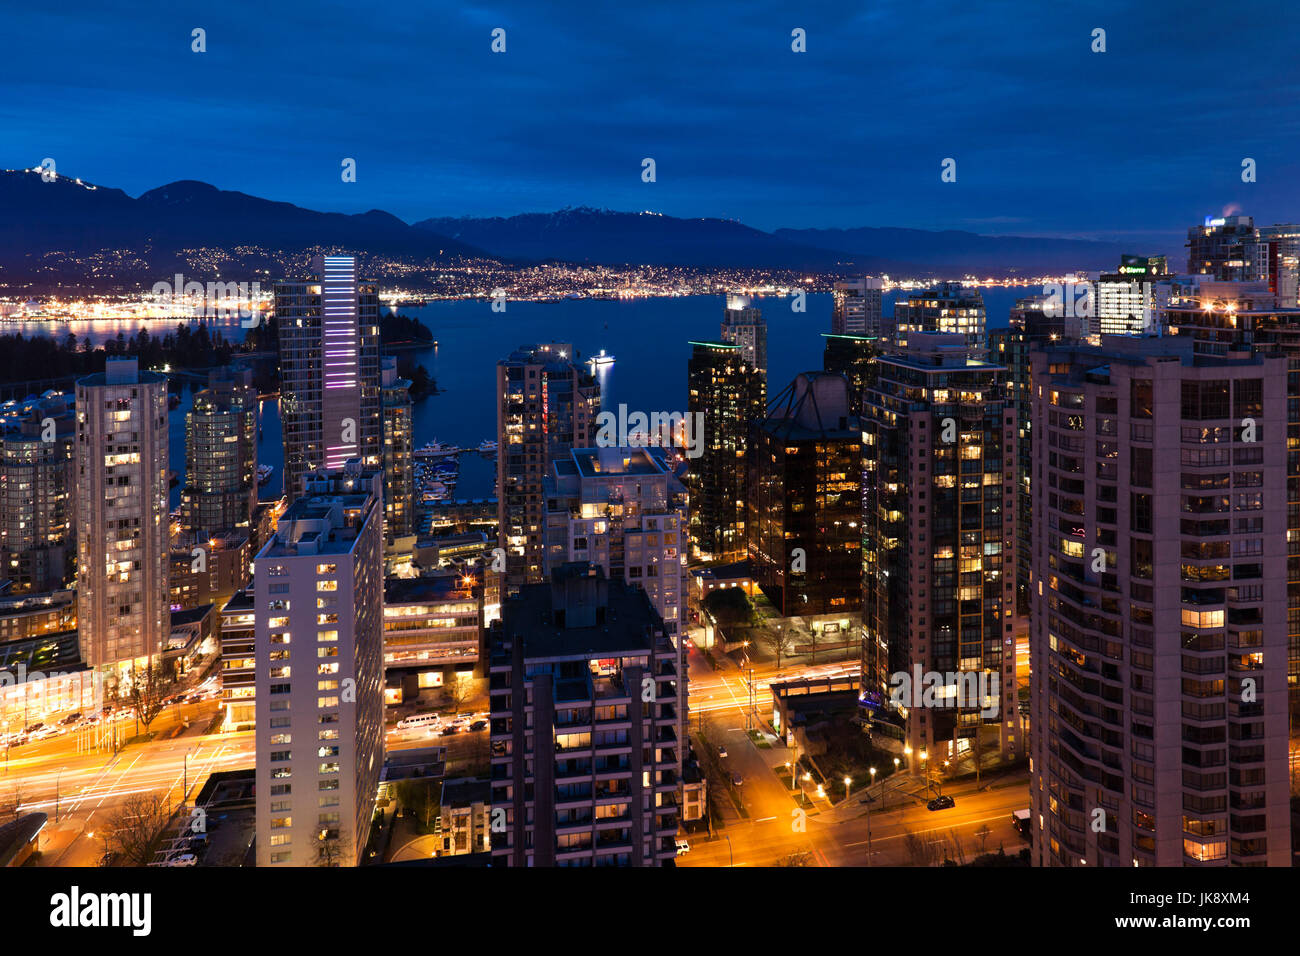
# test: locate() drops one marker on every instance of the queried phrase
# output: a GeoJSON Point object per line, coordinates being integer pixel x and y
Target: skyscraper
{"type": "Point", "coordinates": [122, 524]}
{"type": "Point", "coordinates": [854, 357]}
{"type": "Point", "coordinates": [804, 499]}
{"type": "Point", "coordinates": [857, 308]}
{"type": "Point", "coordinates": [588, 718]}
{"type": "Point", "coordinates": [318, 595]}
{"type": "Point", "coordinates": [946, 307]}
{"type": "Point", "coordinates": [328, 326]}
{"type": "Point", "coordinates": [624, 510]}
{"type": "Point", "coordinates": [938, 535]}
{"type": "Point", "coordinates": [220, 490]}
{"type": "Point", "coordinates": [1159, 634]}
{"type": "Point", "coordinates": [1009, 347]}
{"type": "Point", "coordinates": [398, 445]}
{"type": "Point", "coordinates": [729, 393]}
{"type": "Point", "coordinates": [1227, 248]}
{"type": "Point", "coordinates": [547, 406]}
{"type": "Point", "coordinates": [743, 325]}
{"type": "Point", "coordinates": [37, 497]}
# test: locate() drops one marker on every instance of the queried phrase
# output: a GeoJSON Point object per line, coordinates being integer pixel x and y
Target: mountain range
{"type": "Point", "coordinates": [69, 231]}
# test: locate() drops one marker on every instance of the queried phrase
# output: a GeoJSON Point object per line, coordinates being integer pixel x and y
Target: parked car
{"type": "Point", "coordinates": [184, 859]}
{"type": "Point", "coordinates": [722, 751]}
{"type": "Point", "coordinates": [737, 779]}
{"type": "Point", "coordinates": [941, 803]}
{"type": "Point", "coordinates": [682, 846]}
{"type": "Point", "coordinates": [71, 718]}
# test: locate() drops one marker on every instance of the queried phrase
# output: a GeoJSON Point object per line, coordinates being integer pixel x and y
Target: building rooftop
{"type": "Point", "coordinates": [426, 588]}
{"type": "Point", "coordinates": [580, 614]}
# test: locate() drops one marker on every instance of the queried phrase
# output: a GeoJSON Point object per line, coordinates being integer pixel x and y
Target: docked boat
{"type": "Point", "coordinates": [264, 473]}
{"type": "Point", "coordinates": [436, 449]}
{"type": "Point", "coordinates": [487, 447]}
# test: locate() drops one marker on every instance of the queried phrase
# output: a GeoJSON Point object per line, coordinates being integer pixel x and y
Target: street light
{"type": "Point", "coordinates": [882, 795]}
{"type": "Point", "coordinates": [848, 782]}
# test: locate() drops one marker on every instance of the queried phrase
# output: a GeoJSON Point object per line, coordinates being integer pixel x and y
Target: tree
{"type": "Point", "coordinates": [456, 691]}
{"type": "Point", "coordinates": [330, 847]}
{"type": "Point", "coordinates": [920, 850]}
{"type": "Point", "coordinates": [419, 798]}
{"type": "Point", "coordinates": [11, 803]}
{"type": "Point", "coordinates": [132, 831]}
{"type": "Point", "coordinates": [781, 641]}
{"type": "Point", "coordinates": [148, 692]}
{"type": "Point", "coordinates": [983, 833]}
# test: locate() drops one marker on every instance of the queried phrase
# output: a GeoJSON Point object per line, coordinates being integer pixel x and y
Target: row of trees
{"type": "Point", "coordinates": [25, 359]}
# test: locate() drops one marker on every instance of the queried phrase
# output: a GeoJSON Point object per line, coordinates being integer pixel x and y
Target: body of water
{"type": "Point", "coordinates": [648, 337]}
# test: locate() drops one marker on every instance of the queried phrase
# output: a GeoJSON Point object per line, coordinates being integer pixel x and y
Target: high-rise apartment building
{"type": "Point", "coordinates": [1159, 606]}
{"type": "Point", "coordinates": [743, 325]}
{"type": "Point", "coordinates": [854, 357]}
{"type": "Point", "coordinates": [397, 452]}
{"type": "Point", "coordinates": [37, 496]}
{"type": "Point", "coordinates": [1223, 317]}
{"type": "Point", "coordinates": [318, 595]}
{"type": "Point", "coordinates": [220, 491]}
{"type": "Point", "coordinates": [624, 510]}
{"type": "Point", "coordinates": [938, 536]}
{"type": "Point", "coordinates": [730, 394]}
{"type": "Point", "coordinates": [946, 307]}
{"type": "Point", "coordinates": [857, 308]}
{"type": "Point", "coordinates": [123, 552]}
{"type": "Point", "coordinates": [804, 499]}
{"type": "Point", "coordinates": [1227, 248]}
{"type": "Point", "coordinates": [588, 720]}
{"type": "Point", "coordinates": [328, 326]}
{"type": "Point", "coordinates": [1031, 320]}
{"type": "Point", "coordinates": [547, 406]}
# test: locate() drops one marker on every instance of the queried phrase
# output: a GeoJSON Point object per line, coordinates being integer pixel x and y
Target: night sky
{"type": "Point", "coordinates": [1049, 137]}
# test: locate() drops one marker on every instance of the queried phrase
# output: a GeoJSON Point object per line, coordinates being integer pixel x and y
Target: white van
{"type": "Point", "coordinates": [415, 721]}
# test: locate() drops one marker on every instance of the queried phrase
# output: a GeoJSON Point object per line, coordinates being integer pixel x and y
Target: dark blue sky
{"type": "Point", "coordinates": [1049, 137]}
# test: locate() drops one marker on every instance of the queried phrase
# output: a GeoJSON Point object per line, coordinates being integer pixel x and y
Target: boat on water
{"type": "Point", "coordinates": [264, 473]}
{"type": "Point", "coordinates": [487, 447]}
{"type": "Point", "coordinates": [436, 449]}
{"type": "Point", "coordinates": [600, 361]}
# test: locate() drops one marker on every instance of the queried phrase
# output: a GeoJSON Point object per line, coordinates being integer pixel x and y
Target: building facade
{"type": "Point", "coordinates": [730, 394]}
{"type": "Point", "coordinates": [804, 499]}
{"type": "Point", "coordinates": [220, 492]}
{"type": "Point", "coordinates": [328, 327]}
{"type": "Point", "coordinates": [743, 326]}
{"type": "Point", "coordinates": [1158, 642]}
{"type": "Point", "coordinates": [547, 405]}
{"type": "Point", "coordinates": [398, 447]}
{"type": "Point", "coordinates": [318, 619]}
{"type": "Point", "coordinates": [624, 510]}
{"type": "Point", "coordinates": [38, 496]}
{"type": "Point", "coordinates": [947, 307]}
{"type": "Point", "coordinates": [123, 552]}
{"type": "Point", "coordinates": [588, 714]}
{"type": "Point", "coordinates": [938, 542]}
{"type": "Point", "coordinates": [857, 307]}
